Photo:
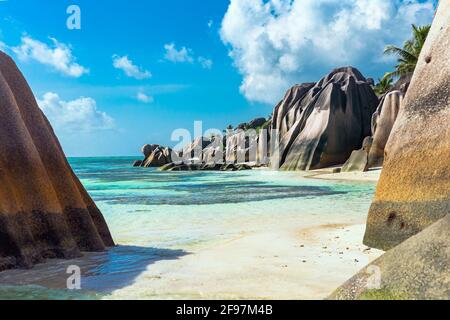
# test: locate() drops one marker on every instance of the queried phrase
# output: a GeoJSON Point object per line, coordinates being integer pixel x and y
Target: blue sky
{"type": "Point", "coordinates": [137, 70]}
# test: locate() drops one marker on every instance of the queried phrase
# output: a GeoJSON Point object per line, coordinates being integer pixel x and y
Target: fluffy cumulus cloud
{"type": "Point", "coordinates": [277, 43]}
{"type": "Point", "coordinates": [129, 68]}
{"type": "Point", "coordinates": [142, 97]}
{"type": "Point", "coordinates": [76, 116]}
{"type": "Point", "coordinates": [57, 56]}
{"type": "Point", "coordinates": [177, 55]}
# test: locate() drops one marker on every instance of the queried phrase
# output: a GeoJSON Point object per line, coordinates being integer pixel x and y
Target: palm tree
{"type": "Point", "coordinates": [409, 54]}
{"type": "Point", "coordinates": [384, 84]}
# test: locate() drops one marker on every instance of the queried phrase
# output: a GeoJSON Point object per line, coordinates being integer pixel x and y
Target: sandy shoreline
{"type": "Point", "coordinates": [284, 263]}
{"type": "Point", "coordinates": [369, 176]}
{"type": "Point", "coordinates": [297, 257]}
{"type": "Point", "coordinates": [305, 263]}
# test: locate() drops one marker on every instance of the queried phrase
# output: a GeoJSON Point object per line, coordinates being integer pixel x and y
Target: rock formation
{"type": "Point", "coordinates": [417, 269]}
{"type": "Point", "coordinates": [44, 210]}
{"type": "Point", "coordinates": [411, 211]}
{"type": "Point", "coordinates": [414, 188]}
{"type": "Point", "coordinates": [155, 156]}
{"type": "Point", "coordinates": [382, 123]}
{"type": "Point", "coordinates": [319, 125]}
{"type": "Point", "coordinates": [359, 159]}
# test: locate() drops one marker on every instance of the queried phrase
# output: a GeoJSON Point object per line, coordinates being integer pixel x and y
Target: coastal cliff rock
{"type": "Point", "coordinates": [45, 212]}
{"type": "Point", "coordinates": [320, 125]}
{"type": "Point", "coordinates": [414, 188]}
{"type": "Point", "coordinates": [382, 123]}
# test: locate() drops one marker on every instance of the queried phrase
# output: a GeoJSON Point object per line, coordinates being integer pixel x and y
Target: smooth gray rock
{"type": "Point", "coordinates": [320, 125]}
{"type": "Point", "coordinates": [382, 123]}
{"type": "Point", "coordinates": [359, 159]}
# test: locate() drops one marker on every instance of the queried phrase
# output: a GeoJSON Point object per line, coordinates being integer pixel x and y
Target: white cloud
{"type": "Point", "coordinates": [210, 23]}
{"type": "Point", "coordinates": [58, 56]}
{"type": "Point", "coordinates": [277, 43]}
{"type": "Point", "coordinates": [185, 55]}
{"type": "Point", "coordinates": [80, 115]}
{"type": "Point", "coordinates": [174, 55]}
{"type": "Point", "coordinates": [131, 70]}
{"type": "Point", "coordinates": [142, 97]}
{"type": "Point", "coordinates": [205, 63]}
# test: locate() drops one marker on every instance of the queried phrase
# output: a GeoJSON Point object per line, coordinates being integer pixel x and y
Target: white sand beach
{"type": "Point", "coordinates": [282, 248]}
{"type": "Point", "coordinates": [288, 262]}
{"type": "Point", "coordinates": [372, 175]}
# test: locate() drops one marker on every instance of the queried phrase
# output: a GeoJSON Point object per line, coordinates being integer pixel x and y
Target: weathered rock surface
{"type": "Point", "coordinates": [45, 212]}
{"type": "Point", "coordinates": [414, 188]}
{"type": "Point", "coordinates": [155, 156]}
{"type": "Point", "coordinates": [320, 125]}
{"type": "Point", "coordinates": [419, 268]}
{"type": "Point", "coordinates": [382, 123]}
{"type": "Point", "coordinates": [359, 159]}
{"type": "Point", "coordinates": [159, 157]}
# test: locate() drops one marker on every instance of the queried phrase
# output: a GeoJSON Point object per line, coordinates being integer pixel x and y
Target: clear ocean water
{"type": "Point", "coordinates": [156, 216]}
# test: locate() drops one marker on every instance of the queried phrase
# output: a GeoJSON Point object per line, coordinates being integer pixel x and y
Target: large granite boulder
{"type": "Point", "coordinates": [419, 268]}
{"type": "Point", "coordinates": [154, 156]}
{"type": "Point", "coordinates": [359, 159]}
{"type": "Point", "coordinates": [148, 149]}
{"type": "Point", "coordinates": [158, 157]}
{"type": "Point", "coordinates": [288, 110]}
{"type": "Point", "coordinates": [414, 188]}
{"type": "Point", "coordinates": [45, 212]}
{"type": "Point", "coordinates": [382, 123]}
{"type": "Point", "coordinates": [319, 125]}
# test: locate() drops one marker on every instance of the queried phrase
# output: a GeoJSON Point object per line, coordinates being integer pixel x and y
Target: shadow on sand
{"type": "Point", "coordinates": [101, 274]}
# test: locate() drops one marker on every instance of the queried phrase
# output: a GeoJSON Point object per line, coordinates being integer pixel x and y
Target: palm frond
{"type": "Point", "coordinates": [409, 54]}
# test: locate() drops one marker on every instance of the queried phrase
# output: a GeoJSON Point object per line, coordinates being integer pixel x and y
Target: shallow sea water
{"type": "Point", "coordinates": [157, 216]}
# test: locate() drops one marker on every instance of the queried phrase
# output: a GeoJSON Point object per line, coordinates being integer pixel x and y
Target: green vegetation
{"type": "Point", "coordinates": [409, 54]}
{"type": "Point", "coordinates": [384, 85]}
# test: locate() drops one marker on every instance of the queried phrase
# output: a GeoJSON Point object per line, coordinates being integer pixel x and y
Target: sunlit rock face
{"type": "Point", "coordinates": [382, 123]}
{"type": "Point", "coordinates": [319, 125]}
{"type": "Point", "coordinates": [45, 212]}
{"type": "Point", "coordinates": [414, 189]}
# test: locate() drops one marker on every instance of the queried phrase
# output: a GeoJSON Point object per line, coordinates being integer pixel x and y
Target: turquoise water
{"type": "Point", "coordinates": [156, 216]}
